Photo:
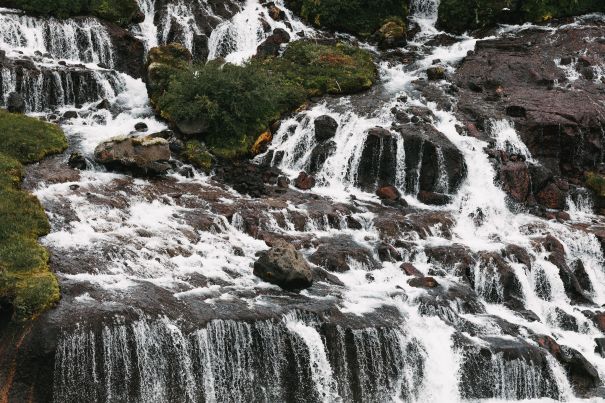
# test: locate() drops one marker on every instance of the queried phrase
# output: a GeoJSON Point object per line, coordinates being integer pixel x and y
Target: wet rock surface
{"type": "Point", "coordinates": [166, 275]}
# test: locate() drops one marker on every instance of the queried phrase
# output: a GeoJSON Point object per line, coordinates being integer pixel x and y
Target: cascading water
{"type": "Point", "coordinates": [84, 39]}
{"type": "Point", "coordinates": [162, 302]}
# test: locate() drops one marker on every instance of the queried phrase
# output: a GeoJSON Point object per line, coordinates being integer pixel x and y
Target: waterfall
{"type": "Point", "coordinates": [81, 39]}
{"type": "Point", "coordinates": [174, 256]}
{"type": "Point", "coordinates": [153, 360]}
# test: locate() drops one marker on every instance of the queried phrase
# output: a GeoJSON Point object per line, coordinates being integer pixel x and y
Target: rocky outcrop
{"type": "Point", "coordinates": [520, 79]}
{"type": "Point", "coordinates": [339, 253]}
{"type": "Point", "coordinates": [284, 266]}
{"type": "Point", "coordinates": [137, 155]}
{"type": "Point", "coordinates": [433, 163]}
{"type": "Point", "coordinates": [272, 45]}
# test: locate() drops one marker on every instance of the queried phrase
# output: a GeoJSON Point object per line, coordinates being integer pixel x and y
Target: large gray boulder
{"type": "Point", "coordinates": [284, 266]}
{"type": "Point", "coordinates": [143, 156]}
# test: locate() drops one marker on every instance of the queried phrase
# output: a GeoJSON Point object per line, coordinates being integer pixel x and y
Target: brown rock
{"type": "Point", "coordinates": [410, 270]}
{"type": "Point", "coordinates": [388, 193]}
{"type": "Point", "coordinates": [304, 181]}
{"type": "Point", "coordinates": [423, 282]}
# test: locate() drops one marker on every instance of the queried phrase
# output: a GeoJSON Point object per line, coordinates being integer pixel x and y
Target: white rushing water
{"type": "Point", "coordinates": [142, 234]}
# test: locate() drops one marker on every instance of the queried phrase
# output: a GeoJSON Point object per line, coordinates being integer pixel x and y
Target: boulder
{"type": "Point", "coordinates": [516, 180]}
{"type": "Point", "coordinates": [423, 282]}
{"type": "Point", "coordinates": [284, 266]}
{"type": "Point", "coordinates": [15, 103]}
{"type": "Point", "coordinates": [137, 155]}
{"type": "Point", "coordinates": [391, 35]}
{"type": "Point", "coordinates": [388, 193]}
{"type": "Point", "coordinates": [517, 78]}
{"type": "Point", "coordinates": [141, 127]}
{"type": "Point", "coordinates": [325, 128]}
{"type": "Point", "coordinates": [304, 181]}
{"type": "Point", "coordinates": [336, 254]}
{"type": "Point", "coordinates": [410, 270]}
{"type": "Point", "coordinates": [77, 161]}
{"type": "Point", "coordinates": [272, 45]}
{"type": "Point", "coordinates": [435, 73]}
{"type": "Point", "coordinates": [434, 199]}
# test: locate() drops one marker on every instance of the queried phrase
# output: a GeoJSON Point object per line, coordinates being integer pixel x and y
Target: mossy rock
{"type": "Point", "coordinates": [326, 69]}
{"type": "Point", "coordinates": [596, 183]}
{"type": "Point", "coordinates": [358, 17]}
{"type": "Point", "coordinates": [26, 282]}
{"type": "Point", "coordinates": [121, 12]}
{"type": "Point", "coordinates": [459, 16]}
{"type": "Point", "coordinates": [27, 139]}
{"type": "Point", "coordinates": [163, 63]}
{"type": "Point", "coordinates": [197, 154]}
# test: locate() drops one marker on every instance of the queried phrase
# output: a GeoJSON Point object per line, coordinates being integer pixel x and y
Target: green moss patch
{"type": "Point", "coordinates": [326, 69]}
{"type": "Point", "coordinates": [26, 282]}
{"type": "Point", "coordinates": [122, 12]}
{"type": "Point", "coordinates": [358, 17]}
{"type": "Point", "coordinates": [596, 183]}
{"type": "Point", "coordinates": [459, 16]}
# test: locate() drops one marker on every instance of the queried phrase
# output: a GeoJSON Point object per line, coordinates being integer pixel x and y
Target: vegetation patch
{"type": "Point", "coordinates": [596, 183]}
{"type": "Point", "coordinates": [122, 12]}
{"type": "Point", "coordinates": [326, 69]}
{"type": "Point", "coordinates": [459, 16]}
{"type": "Point", "coordinates": [228, 106]}
{"type": "Point", "coordinates": [26, 282]}
{"type": "Point", "coordinates": [358, 17]}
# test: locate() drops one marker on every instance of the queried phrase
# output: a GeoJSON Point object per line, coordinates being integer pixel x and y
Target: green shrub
{"type": "Point", "coordinates": [121, 12]}
{"type": "Point", "coordinates": [236, 102]}
{"type": "Point", "coordinates": [326, 69]}
{"type": "Point", "coordinates": [228, 106]}
{"type": "Point", "coordinates": [459, 16]}
{"type": "Point", "coordinates": [25, 278]}
{"type": "Point", "coordinates": [358, 17]}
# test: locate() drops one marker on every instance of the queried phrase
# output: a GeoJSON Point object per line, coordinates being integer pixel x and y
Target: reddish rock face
{"type": "Point", "coordinates": [560, 120]}
{"type": "Point", "coordinates": [423, 282]}
{"type": "Point", "coordinates": [552, 197]}
{"type": "Point", "coordinates": [410, 270]}
{"type": "Point", "coordinates": [304, 181]}
{"type": "Point", "coordinates": [388, 193]}
{"type": "Point", "coordinates": [516, 180]}
{"type": "Point", "coordinates": [599, 321]}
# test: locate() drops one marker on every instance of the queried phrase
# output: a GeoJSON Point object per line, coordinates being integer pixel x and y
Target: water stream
{"type": "Point", "coordinates": [145, 262]}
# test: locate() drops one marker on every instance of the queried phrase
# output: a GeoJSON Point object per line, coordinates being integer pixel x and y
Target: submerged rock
{"type": "Point", "coordinates": [284, 266]}
{"type": "Point", "coordinates": [137, 155]}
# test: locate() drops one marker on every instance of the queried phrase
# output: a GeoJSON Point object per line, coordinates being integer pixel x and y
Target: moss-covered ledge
{"type": "Point", "coordinates": [27, 285]}
{"type": "Point", "coordinates": [121, 12]}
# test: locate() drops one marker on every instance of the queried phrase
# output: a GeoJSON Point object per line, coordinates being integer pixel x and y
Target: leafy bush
{"type": "Point", "coordinates": [25, 278]}
{"type": "Point", "coordinates": [121, 12]}
{"type": "Point", "coordinates": [235, 102]}
{"type": "Point", "coordinates": [459, 16]}
{"type": "Point", "coordinates": [359, 17]}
